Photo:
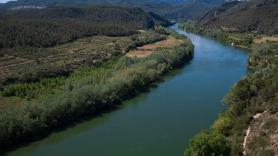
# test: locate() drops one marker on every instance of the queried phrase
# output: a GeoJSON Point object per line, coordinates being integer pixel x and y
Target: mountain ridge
{"type": "Point", "coordinates": [256, 15]}
{"type": "Point", "coordinates": [174, 9]}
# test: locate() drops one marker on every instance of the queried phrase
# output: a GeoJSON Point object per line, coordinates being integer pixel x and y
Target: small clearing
{"type": "Point", "coordinates": [148, 49]}
{"type": "Point", "coordinates": [272, 39]}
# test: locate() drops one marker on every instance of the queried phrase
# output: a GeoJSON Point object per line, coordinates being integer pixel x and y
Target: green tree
{"type": "Point", "coordinates": [208, 143]}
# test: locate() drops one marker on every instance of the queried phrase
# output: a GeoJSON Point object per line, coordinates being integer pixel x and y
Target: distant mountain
{"type": "Point", "coordinates": [135, 17]}
{"type": "Point", "coordinates": [91, 2]}
{"type": "Point", "coordinates": [190, 9]}
{"type": "Point", "coordinates": [174, 9]}
{"type": "Point", "coordinates": [57, 25]}
{"type": "Point", "coordinates": [252, 15]}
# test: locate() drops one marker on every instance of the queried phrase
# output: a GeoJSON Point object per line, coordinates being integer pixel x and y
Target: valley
{"type": "Point", "coordinates": [122, 78]}
{"type": "Point", "coordinates": [162, 120]}
{"type": "Point", "coordinates": [90, 75]}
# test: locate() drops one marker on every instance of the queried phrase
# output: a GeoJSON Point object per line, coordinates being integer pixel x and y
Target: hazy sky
{"type": "Point", "coordinates": [3, 1]}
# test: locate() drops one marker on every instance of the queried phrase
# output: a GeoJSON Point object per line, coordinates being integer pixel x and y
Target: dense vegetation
{"type": "Point", "coordinates": [237, 39]}
{"type": "Point", "coordinates": [173, 9]}
{"type": "Point", "coordinates": [191, 9]}
{"type": "Point", "coordinates": [53, 26]}
{"type": "Point", "coordinates": [54, 102]}
{"type": "Point", "coordinates": [29, 64]}
{"type": "Point", "coordinates": [63, 64]}
{"type": "Point", "coordinates": [257, 92]}
{"type": "Point", "coordinates": [252, 16]}
{"type": "Point", "coordinates": [90, 2]}
{"type": "Point", "coordinates": [41, 43]}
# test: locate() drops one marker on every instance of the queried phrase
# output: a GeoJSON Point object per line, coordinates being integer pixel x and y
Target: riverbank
{"type": "Point", "coordinates": [163, 119]}
{"type": "Point", "coordinates": [87, 92]}
{"type": "Point", "coordinates": [235, 39]}
{"type": "Point", "coordinates": [255, 93]}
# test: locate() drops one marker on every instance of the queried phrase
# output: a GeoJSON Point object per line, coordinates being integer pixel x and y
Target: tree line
{"type": "Point", "coordinates": [52, 26]}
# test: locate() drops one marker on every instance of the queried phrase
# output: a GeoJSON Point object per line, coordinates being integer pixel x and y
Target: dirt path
{"type": "Point", "coordinates": [248, 131]}
{"type": "Point", "coordinates": [17, 63]}
{"type": "Point", "coordinates": [26, 61]}
{"type": "Point", "coordinates": [148, 49]}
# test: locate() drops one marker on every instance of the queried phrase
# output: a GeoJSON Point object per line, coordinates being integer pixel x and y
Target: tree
{"type": "Point", "coordinates": [208, 143]}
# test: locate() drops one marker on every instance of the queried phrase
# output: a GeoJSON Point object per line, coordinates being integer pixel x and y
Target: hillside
{"type": "Point", "coordinates": [90, 2]}
{"type": "Point", "coordinates": [174, 9]}
{"type": "Point", "coordinates": [195, 9]}
{"type": "Point", "coordinates": [60, 25]}
{"type": "Point", "coordinates": [256, 16]}
{"type": "Point", "coordinates": [29, 36]}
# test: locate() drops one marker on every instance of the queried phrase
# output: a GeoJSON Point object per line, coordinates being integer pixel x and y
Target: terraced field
{"type": "Point", "coordinates": [264, 39]}
{"type": "Point", "coordinates": [18, 64]}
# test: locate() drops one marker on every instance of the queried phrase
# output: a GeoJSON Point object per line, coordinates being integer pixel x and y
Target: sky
{"type": "Point", "coordinates": [4, 1]}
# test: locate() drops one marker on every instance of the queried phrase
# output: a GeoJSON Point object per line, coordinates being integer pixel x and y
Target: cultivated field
{"type": "Point", "coordinates": [18, 64]}
{"type": "Point", "coordinates": [148, 49]}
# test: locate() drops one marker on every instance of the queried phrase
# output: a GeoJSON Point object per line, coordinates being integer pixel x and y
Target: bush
{"type": "Point", "coordinates": [208, 143]}
{"type": "Point", "coordinates": [223, 124]}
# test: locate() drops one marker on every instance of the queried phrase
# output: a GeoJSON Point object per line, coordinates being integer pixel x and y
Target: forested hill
{"type": "Point", "coordinates": [133, 17]}
{"type": "Point", "coordinates": [57, 25]}
{"type": "Point", "coordinates": [255, 15]}
{"type": "Point", "coordinates": [92, 2]}
{"type": "Point", "coordinates": [174, 9]}
{"type": "Point", "coordinates": [191, 9]}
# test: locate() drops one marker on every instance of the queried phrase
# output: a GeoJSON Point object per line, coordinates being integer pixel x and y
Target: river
{"type": "Point", "coordinates": [159, 122]}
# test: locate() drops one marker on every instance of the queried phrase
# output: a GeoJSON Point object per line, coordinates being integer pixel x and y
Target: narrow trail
{"type": "Point", "coordinates": [248, 131]}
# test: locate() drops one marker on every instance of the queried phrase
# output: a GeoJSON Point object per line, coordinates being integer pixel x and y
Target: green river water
{"type": "Point", "coordinates": [159, 122]}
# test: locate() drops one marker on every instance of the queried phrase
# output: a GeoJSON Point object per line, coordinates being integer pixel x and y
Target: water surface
{"type": "Point", "coordinates": [160, 122]}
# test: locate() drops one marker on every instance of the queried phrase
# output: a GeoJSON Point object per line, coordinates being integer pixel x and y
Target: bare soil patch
{"type": "Point", "coordinates": [272, 39]}
{"type": "Point", "coordinates": [148, 49]}
{"type": "Point", "coordinates": [6, 102]}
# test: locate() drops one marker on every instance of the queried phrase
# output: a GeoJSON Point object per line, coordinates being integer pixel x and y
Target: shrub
{"type": "Point", "coordinates": [208, 143]}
